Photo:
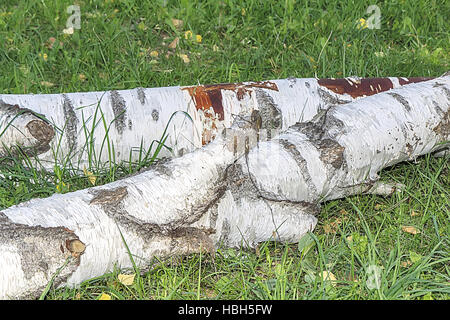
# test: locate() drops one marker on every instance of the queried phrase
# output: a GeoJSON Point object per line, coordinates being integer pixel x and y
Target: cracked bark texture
{"type": "Point", "coordinates": [129, 119]}
{"type": "Point", "coordinates": [234, 191]}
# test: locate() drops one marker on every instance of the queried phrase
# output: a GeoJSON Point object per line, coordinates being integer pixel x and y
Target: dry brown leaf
{"type": "Point", "coordinates": [50, 42]}
{"type": "Point", "coordinates": [327, 228]}
{"type": "Point", "coordinates": [410, 229]}
{"type": "Point", "coordinates": [406, 263]}
{"type": "Point", "coordinates": [174, 43]}
{"type": "Point", "coordinates": [333, 226]}
{"type": "Point", "coordinates": [177, 23]}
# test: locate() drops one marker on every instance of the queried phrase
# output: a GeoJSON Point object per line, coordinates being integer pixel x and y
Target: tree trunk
{"type": "Point", "coordinates": [234, 191]}
{"type": "Point", "coordinates": [94, 128]}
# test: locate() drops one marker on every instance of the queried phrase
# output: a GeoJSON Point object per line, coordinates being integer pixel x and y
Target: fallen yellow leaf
{"type": "Point", "coordinates": [328, 276]}
{"type": "Point", "coordinates": [188, 34]}
{"type": "Point", "coordinates": [92, 179]}
{"type": "Point", "coordinates": [154, 54]}
{"type": "Point", "coordinates": [410, 229]}
{"type": "Point", "coordinates": [362, 23]}
{"type": "Point", "coordinates": [184, 57]}
{"type": "Point", "coordinates": [43, 56]}
{"type": "Point", "coordinates": [126, 279]}
{"type": "Point", "coordinates": [105, 296]}
{"type": "Point", "coordinates": [198, 38]}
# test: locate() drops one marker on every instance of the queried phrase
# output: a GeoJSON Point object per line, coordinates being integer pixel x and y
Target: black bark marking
{"type": "Point", "coordinates": [71, 123]}
{"type": "Point", "coordinates": [443, 127]}
{"type": "Point", "coordinates": [225, 233]}
{"type": "Point", "coordinates": [162, 168]}
{"type": "Point", "coordinates": [310, 129]}
{"type": "Point", "coordinates": [243, 185]}
{"type": "Point", "coordinates": [437, 107]}
{"type": "Point", "coordinates": [271, 117]}
{"type": "Point", "coordinates": [141, 95]}
{"type": "Point", "coordinates": [324, 124]}
{"type": "Point", "coordinates": [329, 99]}
{"type": "Point", "coordinates": [43, 132]}
{"type": "Point", "coordinates": [331, 153]}
{"type": "Point", "coordinates": [322, 132]}
{"type": "Point", "coordinates": [109, 197]}
{"type": "Point", "coordinates": [239, 183]}
{"type": "Point", "coordinates": [292, 81]}
{"type": "Point", "coordinates": [301, 163]}
{"type": "Point", "coordinates": [401, 99]}
{"type": "Point", "coordinates": [119, 108]}
{"type": "Point", "coordinates": [182, 152]}
{"type": "Point", "coordinates": [155, 115]}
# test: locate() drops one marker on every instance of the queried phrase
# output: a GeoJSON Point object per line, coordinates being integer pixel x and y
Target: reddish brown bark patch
{"type": "Point", "coordinates": [404, 81]}
{"type": "Point", "coordinates": [364, 87]}
{"type": "Point", "coordinates": [208, 98]}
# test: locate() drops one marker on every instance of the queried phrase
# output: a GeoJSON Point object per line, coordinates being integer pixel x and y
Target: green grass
{"type": "Point", "coordinates": [356, 239]}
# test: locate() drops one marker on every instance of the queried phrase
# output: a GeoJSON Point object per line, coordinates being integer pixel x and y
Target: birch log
{"type": "Point", "coordinates": [234, 191]}
{"type": "Point", "coordinates": [94, 128]}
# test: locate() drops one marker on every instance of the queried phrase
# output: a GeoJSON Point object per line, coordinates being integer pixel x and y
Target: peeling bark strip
{"type": "Point", "coordinates": [223, 196]}
{"type": "Point", "coordinates": [22, 128]}
{"type": "Point", "coordinates": [357, 87]}
{"type": "Point", "coordinates": [208, 99]}
{"type": "Point", "coordinates": [139, 116]}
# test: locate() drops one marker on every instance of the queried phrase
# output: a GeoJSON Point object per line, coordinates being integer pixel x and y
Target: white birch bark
{"type": "Point", "coordinates": [93, 128]}
{"type": "Point", "coordinates": [227, 193]}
